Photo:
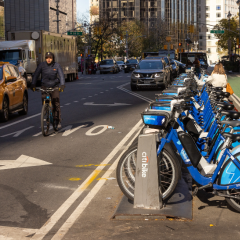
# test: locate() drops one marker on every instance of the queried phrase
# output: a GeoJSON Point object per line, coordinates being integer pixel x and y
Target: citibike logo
{"type": "Point", "coordinates": [145, 160]}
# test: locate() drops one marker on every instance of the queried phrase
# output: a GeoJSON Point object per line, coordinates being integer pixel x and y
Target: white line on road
{"type": "Point", "coordinates": [83, 205]}
{"type": "Point", "coordinates": [25, 119]}
{"type": "Point", "coordinates": [17, 133]}
{"type": "Point", "coordinates": [83, 98]}
{"type": "Point", "coordinates": [43, 231]}
{"type": "Point", "coordinates": [67, 104]}
{"type": "Point", "coordinates": [75, 101]}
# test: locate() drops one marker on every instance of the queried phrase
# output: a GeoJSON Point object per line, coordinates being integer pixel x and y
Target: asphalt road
{"type": "Point", "coordinates": [46, 171]}
{"type": "Point", "coordinates": [64, 186]}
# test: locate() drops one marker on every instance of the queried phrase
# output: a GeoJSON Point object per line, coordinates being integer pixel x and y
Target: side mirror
{"type": "Point", "coordinates": [10, 79]}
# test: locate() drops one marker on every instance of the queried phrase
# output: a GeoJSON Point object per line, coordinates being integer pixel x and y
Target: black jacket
{"type": "Point", "coordinates": [50, 74]}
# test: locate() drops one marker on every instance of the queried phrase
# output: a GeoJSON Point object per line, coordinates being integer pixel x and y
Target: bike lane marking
{"type": "Point", "coordinates": [22, 120]}
{"type": "Point", "coordinates": [44, 230]}
{"type": "Point", "coordinates": [86, 201]}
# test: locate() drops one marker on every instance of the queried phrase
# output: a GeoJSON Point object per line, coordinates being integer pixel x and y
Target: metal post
{"type": "Point", "coordinates": [90, 40]}
{"type": "Point", "coordinates": [127, 44]}
{"type": "Point", "coordinates": [57, 16]}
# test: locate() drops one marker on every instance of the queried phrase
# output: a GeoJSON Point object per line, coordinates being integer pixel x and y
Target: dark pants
{"type": "Point", "coordinates": [55, 102]}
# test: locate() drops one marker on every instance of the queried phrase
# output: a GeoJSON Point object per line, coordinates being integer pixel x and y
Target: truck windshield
{"type": "Point", "coordinates": [9, 55]}
{"type": "Point", "coordinates": [106, 62]}
{"type": "Point", "coordinates": [1, 73]}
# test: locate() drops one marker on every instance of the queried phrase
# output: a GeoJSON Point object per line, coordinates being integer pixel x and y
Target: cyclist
{"type": "Point", "coordinates": [197, 67]}
{"type": "Point", "coordinates": [52, 75]}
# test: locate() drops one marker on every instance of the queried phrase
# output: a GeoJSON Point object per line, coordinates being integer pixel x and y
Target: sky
{"type": "Point", "coordinates": [82, 7]}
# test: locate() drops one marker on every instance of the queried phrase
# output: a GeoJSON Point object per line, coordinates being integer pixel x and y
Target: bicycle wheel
{"type": "Point", "coordinates": [167, 167]}
{"type": "Point", "coordinates": [234, 203]}
{"type": "Point", "coordinates": [45, 119]}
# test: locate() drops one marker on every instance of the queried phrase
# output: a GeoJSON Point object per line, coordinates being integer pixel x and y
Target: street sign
{"type": "Point", "coordinates": [75, 33]}
{"type": "Point", "coordinates": [217, 31]}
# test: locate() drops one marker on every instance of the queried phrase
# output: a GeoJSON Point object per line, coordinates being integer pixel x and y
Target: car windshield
{"type": "Point", "coordinates": [1, 73]}
{"type": "Point", "coordinates": [6, 56]}
{"type": "Point", "coordinates": [132, 61]}
{"type": "Point", "coordinates": [150, 65]}
{"type": "Point", "coordinates": [107, 62]}
{"type": "Point", "coordinates": [120, 62]}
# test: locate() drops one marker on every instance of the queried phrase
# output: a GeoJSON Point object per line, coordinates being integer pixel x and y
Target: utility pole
{"type": "Point", "coordinates": [57, 13]}
{"type": "Point", "coordinates": [229, 40]}
{"type": "Point", "coordinates": [127, 44]}
{"type": "Point", "coordinates": [90, 30]}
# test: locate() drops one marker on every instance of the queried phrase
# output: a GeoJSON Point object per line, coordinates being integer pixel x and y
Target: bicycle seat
{"type": "Point", "coordinates": [217, 88]}
{"type": "Point", "coordinates": [233, 123]}
{"type": "Point", "coordinates": [226, 106]}
{"type": "Point", "coordinates": [233, 137]}
{"type": "Point", "coordinates": [231, 114]}
{"type": "Point", "coordinates": [226, 94]}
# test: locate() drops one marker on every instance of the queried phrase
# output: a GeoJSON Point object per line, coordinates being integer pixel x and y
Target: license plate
{"type": "Point", "coordinates": [147, 81]}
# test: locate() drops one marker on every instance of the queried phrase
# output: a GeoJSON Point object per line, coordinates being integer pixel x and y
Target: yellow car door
{"type": "Point", "coordinates": [18, 85]}
{"type": "Point", "coordinates": [9, 87]}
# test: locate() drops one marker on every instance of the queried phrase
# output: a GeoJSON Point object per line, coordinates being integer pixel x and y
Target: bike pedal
{"type": "Point", "coordinates": [195, 191]}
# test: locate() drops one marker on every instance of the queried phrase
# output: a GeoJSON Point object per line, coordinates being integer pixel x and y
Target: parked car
{"type": "Point", "coordinates": [13, 91]}
{"type": "Point", "coordinates": [130, 65]}
{"type": "Point", "coordinates": [175, 68]}
{"type": "Point", "coordinates": [121, 65]}
{"type": "Point", "coordinates": [108, 65]}
{"type": "Point", "coordinates": [182, 66]}
{"type": "Point", "coordinates": [150, 73]}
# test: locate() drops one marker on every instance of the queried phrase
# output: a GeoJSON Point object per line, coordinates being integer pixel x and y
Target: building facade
{"type": "Point", "coordinates": [213, 11]}
{"type": "Point", "coordinates": [178, 15]}
{"type": "Point", "coordinates": [2, 22]}
{"type": "Point", "coordinates": [35, 15]}
{"type": "Point", "coordinates": [94, 10]}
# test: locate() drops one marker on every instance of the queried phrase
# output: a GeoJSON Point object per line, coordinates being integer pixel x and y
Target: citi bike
{"type": "Point", "coordinates": [176, 145]}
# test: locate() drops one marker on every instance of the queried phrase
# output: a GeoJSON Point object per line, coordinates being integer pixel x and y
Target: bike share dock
{"type": "Point", "coordinates": [148, 203]}
{"type": "Point", "coordinates": [178, 206]}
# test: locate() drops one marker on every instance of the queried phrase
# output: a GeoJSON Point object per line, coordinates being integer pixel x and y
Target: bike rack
{"type": "Point", "coordinates": [147, 194]}
{"type": "Point", "coordinates": [148, 203]}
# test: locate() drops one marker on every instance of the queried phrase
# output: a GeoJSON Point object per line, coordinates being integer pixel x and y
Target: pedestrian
{"type": "Point", "coordinates": [197, 66]}
{"type": "Point", "coordinates": [52, 75]}
{"type": "Point", "coordinates": [218, 77]}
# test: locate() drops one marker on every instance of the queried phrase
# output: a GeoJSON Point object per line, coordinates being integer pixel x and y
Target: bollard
{"type": "Point", "coordinates": [146, 193]}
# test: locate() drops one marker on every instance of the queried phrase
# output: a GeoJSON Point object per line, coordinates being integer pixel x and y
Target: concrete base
{"type": "Point", "coordinates": [179, 205]}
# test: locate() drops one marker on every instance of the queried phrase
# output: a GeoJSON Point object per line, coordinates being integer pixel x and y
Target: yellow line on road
{"type": "Point", "coordinates": [94, 175]}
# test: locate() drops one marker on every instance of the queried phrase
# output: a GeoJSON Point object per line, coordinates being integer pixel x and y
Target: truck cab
{"type": "Point", "coordinates": [23, 51]}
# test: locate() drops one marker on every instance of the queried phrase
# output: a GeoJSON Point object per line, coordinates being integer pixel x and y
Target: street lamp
{"type": "Point", "coordinates": [229, 41]}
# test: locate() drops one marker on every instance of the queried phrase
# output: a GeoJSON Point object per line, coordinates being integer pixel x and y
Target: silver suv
{"type": "Point", "coordinates": [108, 65]}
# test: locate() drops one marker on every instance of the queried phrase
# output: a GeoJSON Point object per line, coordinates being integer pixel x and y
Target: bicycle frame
{"type": "Point", "coordinates": [173, 136]}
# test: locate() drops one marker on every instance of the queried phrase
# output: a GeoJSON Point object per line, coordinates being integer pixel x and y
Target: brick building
{"type": "Point", "coordinates": [35, 15]}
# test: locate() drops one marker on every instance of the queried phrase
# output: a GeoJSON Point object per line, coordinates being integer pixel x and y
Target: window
{"type": "Point", "coordinates": [200, 37]}
{"type": "Point", "coordinates": [218, 7]}
{"type": "Point", "coordinates": [209, 37]}
{"type": "Point", "coordinates": [209, 50]}
{"type": "Point", "coordinates": [1, 73]}
{"type": "Point", "coordinates": [207, 15]}
{"type": "Point", "coordinates": [218, 15]}
{"type": "Point", "coordinates": [207, 8]}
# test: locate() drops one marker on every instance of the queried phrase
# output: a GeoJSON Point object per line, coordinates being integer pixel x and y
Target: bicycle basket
{"type": "Point", "coordinates": [164, 106]}
{"type": "Point", "coordinates": [156, 119]}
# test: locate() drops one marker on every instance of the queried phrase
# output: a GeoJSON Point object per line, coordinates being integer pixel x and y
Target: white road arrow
{"type": "Point", "coordinates": [109, 105]}
{"type": "Point", "coordinates": [22, 161]}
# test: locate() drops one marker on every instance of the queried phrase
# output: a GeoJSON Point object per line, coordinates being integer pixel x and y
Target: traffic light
{"type": "Point", "coordinates": [191, 28]}
{"type": "Point", "coordinates": [165, 47]}
{"type": "Point", "coordinates": [179, 44]}
{"type": "Point", "coordinates": [95, 31]}
{"type": "Point", "coordinates": [237, 41]}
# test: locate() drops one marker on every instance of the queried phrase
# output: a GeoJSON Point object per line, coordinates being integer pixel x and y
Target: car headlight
{"type": "Point", "coordinates": [125, 66]}
{"type": "Point", "coordinates": [137, 75]}
{"type": "Point", "coordinates": [157, 75]}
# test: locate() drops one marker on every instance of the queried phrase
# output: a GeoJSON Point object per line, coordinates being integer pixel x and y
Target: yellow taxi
{"type": "Point", "coordinates": [13, 91]}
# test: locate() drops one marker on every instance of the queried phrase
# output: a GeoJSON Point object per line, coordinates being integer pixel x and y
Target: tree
{"type": "Point", "coordinates": [231, 35]}
{"type": "Point", "coordinates": [156, 36]}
